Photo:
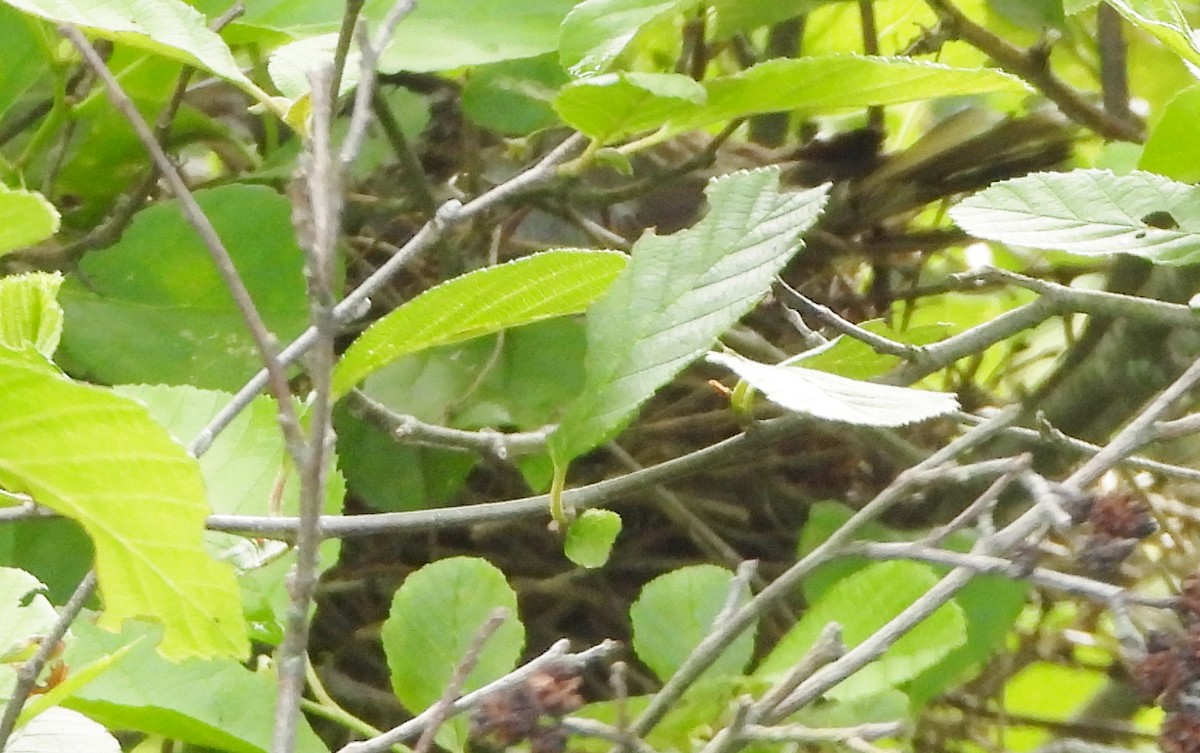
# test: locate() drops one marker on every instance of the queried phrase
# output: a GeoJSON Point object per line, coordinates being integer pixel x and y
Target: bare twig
{"type": "Point", "coordinates": [27, 674]}
{"type": "Point", "coordinates": [441, 709]}
{"type": "Point", "coordinates": [370, 49]}
{"type": "Point", "coordinates": [264, 341]}
{"type": "Point", "coordinates": [557, 656]}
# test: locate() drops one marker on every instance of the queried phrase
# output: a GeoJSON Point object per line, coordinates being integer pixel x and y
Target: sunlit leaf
{"type": "Point", "coordinates": [1165, 21]}
{"type": "Point", "coordinates": [58, 730]}
{"type": "Point", "coordinates": [617, 104]}
{"type": "Point", "coordinates": [99, 458]}
{"type": "Point", "coordinates": [595, 32]}
{"type": "Point", "coordinates": [1089, 212]}
{"type": "Point", "coordinates": [1171, 149]}
{"type": "Point", "coordinates": [26, 218]}
{"type": "Point", "coordinates": [29, 312]}
{"type": "Point", "coordinates": [591, 537]}
{"type": "Point", "coordinates": [537, 287]}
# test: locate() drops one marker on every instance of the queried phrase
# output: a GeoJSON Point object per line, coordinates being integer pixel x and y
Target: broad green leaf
{"type": "Point", "coordinates": [613, 105]}
{"type": "Point", "coordinates": [29, 311]}
{"type": "Point", "coordinates": [56, 730]}
{"type": "Point", "coordinates": [434, 619]}
{"type": "Point", "coordinates": [152, 308]}
{"type": "Point", "coordinates": [825, 84]}
{"type": "Point", "coordinates": [290, 65]}
{"type": "Point", "coordinates": [678, 294]}
{"type": "Point", "coordinates": [26, 218]}
{"type": "Point", "coordinates": [541, 286]}
{"type": "Point", "coordinates": [595, 32]}
{"type": "Point", "coordinates": [835, 398]}
{"type": "Point", "coordinates": [166, 27]}
{"type": "Point", "coordinates": [1089, 212]}
{"type": "Point", "coordinates": [514, 97]}
{"type": "Point", "coordinates": [1165, 21]}
{"type": "Point", "coordinates": [99, 458]}
{"type": "Point", "coordinates": [676, 611]}
{"type": "Point", "coordinates": [1171, 149]}
{"type": "Point", "coordinates": [591, 537]}
{"type": "Point", "coordinates": [449, 34]}
{"type": "Point", "coordinates": [21, 57]}
{"type": "Point", "coordinates": [730, 17]}
{"type": "Point", "coordinates": [862, 603]}
{"type": "Point", "coordinates": [213, 704]}
{"type": "Point", "coordinates": [246, 472]}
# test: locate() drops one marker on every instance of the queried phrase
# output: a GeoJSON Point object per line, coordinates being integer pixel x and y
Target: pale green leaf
{"type": "Point", "coordinates": [537, 287]}
{"type": "Point", "coordinates": [246, 472]}
{"type": "Point", "coordinates": [854, 359]}
{"type": "Point", "coordinates": [434, 619]}
{"type": "Point", "coordinates": [22, 58]}
{"type": "Point", "coordinates": [730, 17]}
{"type": "Point", "coordinates": [676, 611]}
{"type": "Point", "coordinates": [214, 704]}
{"type": "Point", "coordinates": [678, 294]}
{"type": "Point", "coordinates": [595, 32]}
{"type": "Point", "coordinates": [25, 615]}
{"type": "Point", "coordinates": [291, 64]}
{"type": "Point", "coordinates": [58, 730]}
{"type": "Point", "coordinates": [29, 311]}
{"type": "Point", "coordinates": [591, 537]}
{"type": "Point", "coordinates": [26, 218]}
{"type": "Point", "coordinates": [612, 105]}
{"type": "Point", "coordinates": [100, 459]}
{"type": "Point", "coordinates": [835, 398]}
{"type": "Point", "coordinates": [1165, 21]}
{"type": "Point", "coordinates": [862, 603]}
{"type": "Point", "coordinates": [1172, 148]}
{"type": "Point", "coordinates": [1089, 212]}
{"type": "Point", "coordinates": [825, 84]}
{"type": "Point", "coordinates": [166, 27]}
{"type": "Point", "coordinates": [153, 308]}
{"type": "Point", "coordinates": [449, 34]}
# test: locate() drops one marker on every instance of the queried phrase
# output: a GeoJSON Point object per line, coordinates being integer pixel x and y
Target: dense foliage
{"type": "Point", "coordinates": [820, 368]}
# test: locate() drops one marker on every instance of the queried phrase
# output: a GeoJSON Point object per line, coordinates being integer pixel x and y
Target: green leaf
{"type": "Point", "coordinates": [246, 472]}
{"type": "Point", "coordinates": [58, 729]}
{"type": "Point", "coordinates": [25, 615]}
{"type": "Point", "coordinates": [435, 617]}
{"type": "Point", "coordinates": [614, 105]}
{"type": "Point", "coordinates": [678, 294]}
{"type": "Point", "coordinates": [825, 84]}
{"type": "Point", "coordinates": [290, 65]}
{"type": "Point", "coordinates": [21, 57]}
{"type": "Point", "coordinates": [213, 704]}
{"type": "Point", "coordinates": [730, 17]}
{"type": "Point", "coordinates": [29, 311]}
{"type": "Point", "coordinates": [153, 309]}
{"type": "Point", "coordinates": [541, 286]}
{"type": "Point", "coordinates": [1165, 21]}
{"type": "Point", "coordinates": [450, 34]}
{"type": "Point", "coordinates": [1171, 149]}
{"type": "Point", "coordinates": [595, 32]}
{"type": "Point", "coordinates": [26, 218]}
{"type": "Point", "coordinates": [834, 398]}
{"type": "Point", "coordinates": [100, 459]}
{"type": "Point", "coordinates": [854, 359]}
{"type": "Point", "coordinates": [513, 97]}
{"type": "Point", "coordinates": [165, 27]}
{"type": "Point", "coordinates": [676, 611]}
{"type": "Point", "coordinates": [862, 603]}
{"type": "Point", "coordinates": [1089, 212]}
{"type": "Point", "coordinates": [591, 537]}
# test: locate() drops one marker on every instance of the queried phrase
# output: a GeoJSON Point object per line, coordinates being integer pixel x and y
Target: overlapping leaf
{"type": "Point", "coordinates": [836, 398]}
{"type": "Point", "coordinates": [1089, 212]}
{"type": "Point", "coordinates": [595, 32]}
{"type": "Point", "coordinates": [537, 287]}
{"type": "Point", "coordinates": [100, 459]}
{"type": "Point", "coordinates": [26, 218]}
{"type": "Point", "coordinates": [678, 294]}
{"type": "Point", "coordinates": [29, 312]}
{"type": "Point", "coordinates": [167, 27]}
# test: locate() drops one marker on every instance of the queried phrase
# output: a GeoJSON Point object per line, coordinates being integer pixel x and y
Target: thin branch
{"type": "Point", "coordinates": [27, 674]}
{"type": "Point", "coordinates": [556, 656]}
{"type": "Point", "coordinates": [449, 214]}
{"type": "Point", "coordinates": [264, 341]}
{"type": "Point", "coordinates": [1033, 66]}
{"type": "Point", "coordinates": [440, 710]}
{"type": "Point", "coordinates": [370, 50]}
